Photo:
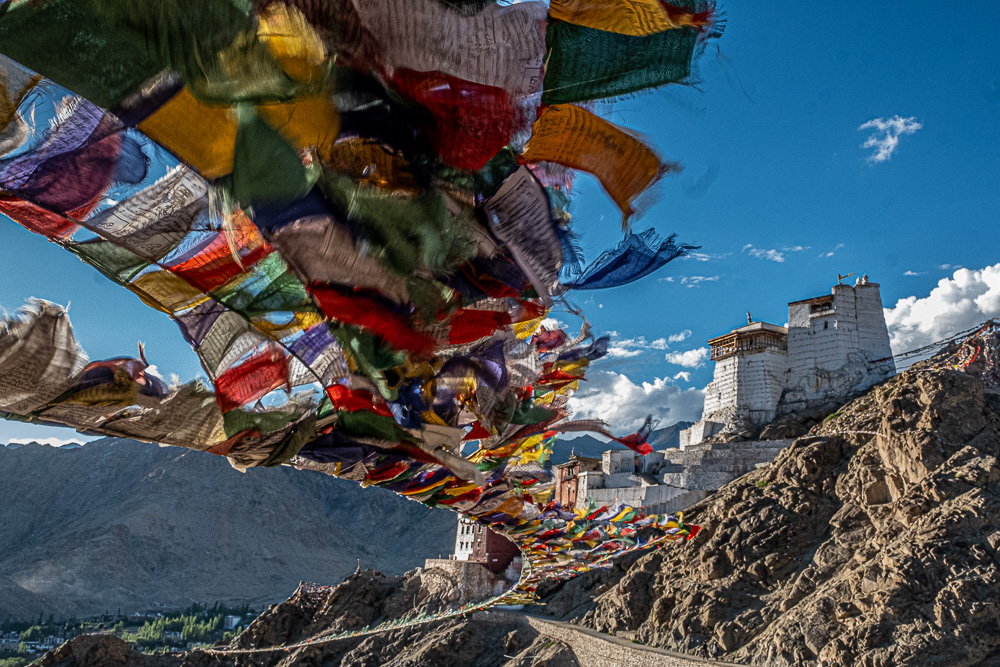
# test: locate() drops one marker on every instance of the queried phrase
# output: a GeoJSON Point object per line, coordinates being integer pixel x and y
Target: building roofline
{"type": "Point", "coordinates": [815, 299]}
{"type": "Point", "coordinates": [832, 292]}
{"type": "Point", "coordinates": [573, 458]}
{"type": "Point", "coordinates": [752, 328]}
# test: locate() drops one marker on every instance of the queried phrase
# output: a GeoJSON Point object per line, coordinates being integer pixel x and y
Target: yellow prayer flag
{"type": "Point", "coordinates": [292, 41]}
{"type": "Point", "coordinates": [638, 18]}
{"type": "Point", "coordinates": [573, 137]}
{"type": "Point", "coordinates": [201, 135]}
{"type": "Point", "coordinates": [166, 291]}
{"type": "Point", "coordinates": [625, 17]}
{"type": "Point", "coordinates": [459, 490]}
{"type": "Point", "coordinates": [204, 136]}
{"type": "Point", "coordinates": [370, 164]}
{"type": "Point", "coordinates": [527, 328]}
{"type": "Point", "coordinates": [307, 121]}
{"type": "Point", "coordinates": [278, 331]}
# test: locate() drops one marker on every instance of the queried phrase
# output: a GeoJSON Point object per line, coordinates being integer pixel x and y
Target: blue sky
{"type": "Point", "coordinates": [774, 169]}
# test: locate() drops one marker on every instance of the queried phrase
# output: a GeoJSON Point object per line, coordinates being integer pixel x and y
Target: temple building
{"type": "Point", "coordinates": [483, 564]}
{"type": "Point", "coordinates": [833, 346]}
{"type": "Point", "coordinates": [475, 543]}
{"type": "Point", "coordinates": [621, 476]}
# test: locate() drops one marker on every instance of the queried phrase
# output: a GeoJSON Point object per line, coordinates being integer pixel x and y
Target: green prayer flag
{"type": "Point", "coordinates": [588, 64]}
{"type": "Point", "coordinates": [266, 169]}
{"type": "Point", "coordinates": [62, 40]}
{"type": "Point", "coordinates": [118, 264]}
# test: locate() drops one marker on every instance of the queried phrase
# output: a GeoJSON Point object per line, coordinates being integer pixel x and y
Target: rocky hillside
{"type": "Point", "coordinates": [364, 598]}
{"type": "Point", "coordinates": [123, 524]}
{"type": "Point", "coordinates": [874, 541]}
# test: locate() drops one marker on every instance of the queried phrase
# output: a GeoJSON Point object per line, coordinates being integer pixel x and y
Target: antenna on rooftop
{"type": "Point", "coordinates": [840, 278]}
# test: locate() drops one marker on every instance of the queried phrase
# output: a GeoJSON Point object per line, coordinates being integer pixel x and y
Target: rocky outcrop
{"type": "Point", "coordinates": [100, 651]}
{"type": "Point", "coordinates": [873, 541]}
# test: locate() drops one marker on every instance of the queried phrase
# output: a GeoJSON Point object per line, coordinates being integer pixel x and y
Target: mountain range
{"type": "Point", "coordinates": [122, 524]}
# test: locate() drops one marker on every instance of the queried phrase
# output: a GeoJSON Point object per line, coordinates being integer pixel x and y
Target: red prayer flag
{"type": "Point", "coordinates": [353, 401]}
{"type": "Point", "coordinates": [478, 432]}
{"type": "Point", "coordinates": [262, 373]}
{"type": "Point", "coordinates": [472, 121]}
{"type": "Point", "coordinates": [468, 325]}
{"type": "Point", "coordinates": [36, 219]}
{"type": "Point", "coordinates": [354, 307]}
{"type": "Point", "coordinates": [215, 264]}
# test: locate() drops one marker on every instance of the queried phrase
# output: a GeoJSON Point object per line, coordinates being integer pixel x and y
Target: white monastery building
{"type": "Point", "coordinates": [833, 346]}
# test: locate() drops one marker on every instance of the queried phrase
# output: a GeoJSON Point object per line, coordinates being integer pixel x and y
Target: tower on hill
{"type": "Point", "coordinates": [833, 346]}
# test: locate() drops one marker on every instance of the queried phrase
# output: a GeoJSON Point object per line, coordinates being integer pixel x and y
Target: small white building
{"type": "Point", "coordinates": [465, 538]}
{"type": "Point", "coordinates": [833, 346]}
{"type": "Point", "coordinates": [621, 477]}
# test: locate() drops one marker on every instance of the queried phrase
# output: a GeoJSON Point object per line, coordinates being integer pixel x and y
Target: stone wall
{"type": "Point", "coordinates": [618, 461]}
{"type": "Point", "coordinates": [652, 499]}
{"type": "Point", "coordinates": [745, 387]}
{"type": "Point", "coordinates": [709, 467]}
{"type": "Point", "coordinates": [700, 431]}
{"type": "Point", "coordinates": [457, 581]}
{"type": "Point", "coordinates": [760, 382]}
{"type": "Point", "coordinates": [720, 392]}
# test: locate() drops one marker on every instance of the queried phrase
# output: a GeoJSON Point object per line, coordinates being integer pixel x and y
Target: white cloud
{"type": "Point", "coordinates": [553, 323]}
{"type": "Point", "coordinates": [885, 138]}
{"type": "Point", "coordinates": [949, 267]}
{"type": "Point", "coordinates": [913, 273]}
{"type": "Point", "coordinates": [833, 252]}
{"type": "Point", "coordinates": [689, 358]}
{"type": "Point", "coordinates": [679, 337]}
{"type": "Point", "coordinates": [625, 404]}
{"type": "Point", "coordinates": [694, 281]}
{"type": "Point", "coordinates": [683, 375]}
{"type": "Point", "coordinates": [770, 255]}
{"type": "Point", "coordinates": [616, 351]}
{"type": "Point", "coordinates": [967, 298]}
{"type": "Point", "coordinates": [51, 442]}
{"type": "Point", "coordinates": [666, 279]}
{"type": "Point", "coordinates": [632, 347]}
{"type": "Point", "coordinates": [705, 256]}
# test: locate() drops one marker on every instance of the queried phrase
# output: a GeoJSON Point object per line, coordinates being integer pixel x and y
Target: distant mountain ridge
{"type": "Point", "coordinates": [118, 523]}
